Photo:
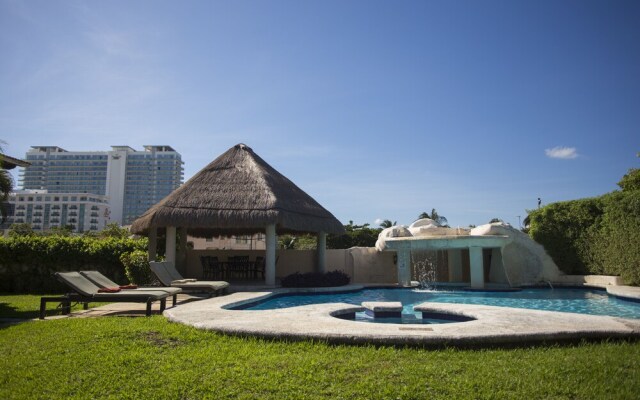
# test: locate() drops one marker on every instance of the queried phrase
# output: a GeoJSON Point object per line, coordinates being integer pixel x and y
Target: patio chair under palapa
{"type": "Point", "coordinates": [168, 276]}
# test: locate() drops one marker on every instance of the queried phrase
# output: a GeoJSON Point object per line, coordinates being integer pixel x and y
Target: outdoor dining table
{"type": "Point", "coordinates": [235, 268]}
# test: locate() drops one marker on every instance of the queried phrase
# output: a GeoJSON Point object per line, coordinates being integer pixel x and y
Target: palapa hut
{"type": "Point", "coordinates": [239, 193]}
{"type": "Point", "coordinates": [7, 162]}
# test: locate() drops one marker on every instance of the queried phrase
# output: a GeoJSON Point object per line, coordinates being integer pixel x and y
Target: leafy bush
{"type": "Point", "coordinates": [615, 247]}
{"type": "Point", "coordinates": [593, 236]}
{"type": "Point", "coordinates": [564, 230]}
{"type": "Point", "coordinates": [136, 267]}
{"type": "Point", "coordinates": [631, 180]}
{"type": "Point", "coordinates": [316, 279]}
{"type": "Point", "coordinates": [27, 263]}
{"type": "Point", "coordinates": [298, 242]}
{"type": "Point", "coordinates": [355, 236]}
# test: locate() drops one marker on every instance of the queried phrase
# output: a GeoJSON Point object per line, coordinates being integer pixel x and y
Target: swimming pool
{"type": "Point", "coordinates": [582, 301]}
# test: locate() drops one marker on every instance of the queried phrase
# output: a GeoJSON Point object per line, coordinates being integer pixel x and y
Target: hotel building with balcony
{"type": "Point", "coordinates": [131, 181]}
{"type": "Point", "coordinates": [42, 210]}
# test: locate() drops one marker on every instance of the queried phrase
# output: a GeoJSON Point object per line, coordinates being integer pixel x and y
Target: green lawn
{"type": "Point", "coordinates": [148, 357]}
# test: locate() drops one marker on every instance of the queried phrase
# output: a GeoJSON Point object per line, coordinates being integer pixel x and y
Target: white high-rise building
{"type": "Point", "coordinates": [82, 212]}
{"type": "Point", "coordinates": [132, 180]}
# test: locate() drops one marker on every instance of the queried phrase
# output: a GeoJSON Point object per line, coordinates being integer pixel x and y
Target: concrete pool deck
{"type": "Point", "coordinates": [492, 325]}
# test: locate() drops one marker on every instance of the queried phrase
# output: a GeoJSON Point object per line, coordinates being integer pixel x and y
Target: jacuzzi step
{"type": "Point", "coordinates": [383, 309]}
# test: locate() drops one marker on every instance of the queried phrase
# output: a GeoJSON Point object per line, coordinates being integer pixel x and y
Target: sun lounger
{"type": "Point", "coordinates": [168, 275]}
{"type": "Point", "coordinates": [84, 291]}
{"type": "Point", "coordinates": [102, 281]}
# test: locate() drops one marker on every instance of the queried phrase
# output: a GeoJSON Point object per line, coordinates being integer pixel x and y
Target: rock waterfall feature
{"type": "Point", "coordinates": [493, 253]}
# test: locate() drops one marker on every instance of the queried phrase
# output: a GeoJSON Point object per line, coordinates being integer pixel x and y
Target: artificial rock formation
{"type": "Point", "coordinates": [525, 261]}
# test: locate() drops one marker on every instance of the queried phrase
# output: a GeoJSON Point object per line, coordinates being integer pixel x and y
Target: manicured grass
{"type": "Point", "coordinates": [27, 306]}
{"type": "Point", "coordinates": [148, 357]}
{"type": "Point", "coordinates": [151, 358]}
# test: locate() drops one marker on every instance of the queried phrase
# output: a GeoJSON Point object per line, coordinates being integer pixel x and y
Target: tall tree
{"type": "Point", "coordinates": [387, 223]}
{"type": "Point", "coordinates": [6, 186]}
{"type": "Point", "coordinates": [631, 180]}
{"type": "Point", "coordinates": [440, 219]}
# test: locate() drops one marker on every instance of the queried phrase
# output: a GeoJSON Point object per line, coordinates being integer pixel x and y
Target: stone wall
{"type": "Point", "coordinates": [366, 265]}
{"type": "Point", "coordinates": [363, 264]}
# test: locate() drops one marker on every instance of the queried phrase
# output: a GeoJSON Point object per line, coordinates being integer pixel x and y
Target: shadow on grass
{"type": "Point", "coordinates": [8, 311]}
{"type": "Point", "coordinates": [23, 307]}
{"type": "Point", "coordinates": [476, 346]}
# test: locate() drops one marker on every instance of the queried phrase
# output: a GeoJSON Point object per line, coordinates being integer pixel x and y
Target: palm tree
{"type": "Point", "coordinates": [440, 219]}
{"type": "Point", "coordinates": [6, 186]}
{"type": "Point", "coordinates": [387, 223]}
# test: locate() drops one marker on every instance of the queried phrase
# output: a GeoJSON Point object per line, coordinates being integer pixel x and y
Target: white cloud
{"type": "Point", "coordinates": [378, 221]}
{"type": "Point", "coordinates": [563, 153]}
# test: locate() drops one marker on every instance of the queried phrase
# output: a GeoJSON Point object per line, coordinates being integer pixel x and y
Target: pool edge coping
{"type": "Point", "coordinates": [493, 326]}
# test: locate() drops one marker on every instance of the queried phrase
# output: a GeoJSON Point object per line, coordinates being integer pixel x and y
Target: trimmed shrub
{"type": "Point", "coordinates": [354, 236]}
{"type": "Point", "coordinates": [27, 263]}
{"type": "Point", "coordinates": [136, 267]}
{"type": "Point", "coordinates": [615, 247]}
{"type": "Point", "coordinates": [564, 229]}
{"type": "Point", "coordinates": [593, 236]}
{"type": "Point", "coordinates": [316, 279]}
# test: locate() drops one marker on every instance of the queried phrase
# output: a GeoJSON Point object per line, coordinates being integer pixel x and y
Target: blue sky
{"type": "Point", "coordinates": [378, 109]}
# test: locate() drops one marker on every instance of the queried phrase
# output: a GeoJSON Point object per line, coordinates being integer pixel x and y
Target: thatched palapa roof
{"type": "Point", "coordinates": [238, 193]}
{"type": "Point", "coordinates": [7, 162]}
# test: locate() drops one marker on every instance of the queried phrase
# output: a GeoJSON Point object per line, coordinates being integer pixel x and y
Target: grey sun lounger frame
{"type": "Point", "coordinates": [102, 281]}
{"type": "Point", "coordinates": [85, 291]}
{"type": "Point", "coordinates": [167, 274]}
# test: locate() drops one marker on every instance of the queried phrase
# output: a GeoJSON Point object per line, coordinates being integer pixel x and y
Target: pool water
{"type": "Point", "coordinates": [583, 301]}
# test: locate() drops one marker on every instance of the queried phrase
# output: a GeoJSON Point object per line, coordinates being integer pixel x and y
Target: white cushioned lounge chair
{"type": "Point", "coordinates": [85, 291]}
{"type": "Point", "coordinates": [102, 281]}
{"type": "Point", "coordinates": [167, 274]}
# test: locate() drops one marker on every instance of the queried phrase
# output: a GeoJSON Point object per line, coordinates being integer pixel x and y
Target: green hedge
{"type": "Point", "coordinates": [27, 263]}
{"type": "Point", "coordinates": [615, 248]}
{"type": "Point", "coordinates": [564, 230]}
{"type": "Point", "coordinates": [592, 236]}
